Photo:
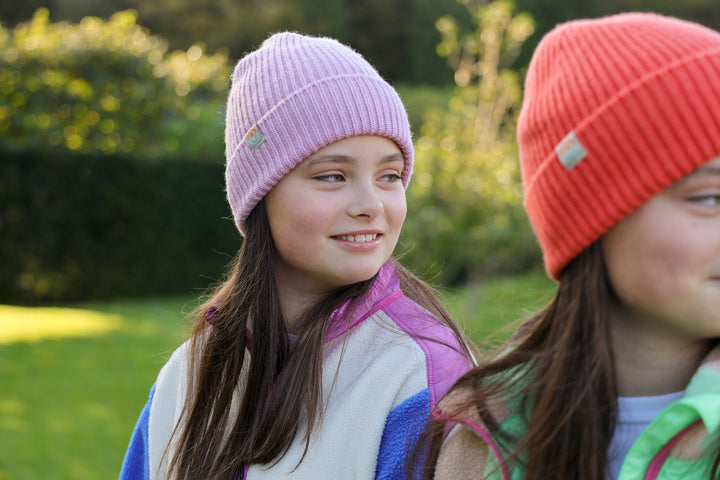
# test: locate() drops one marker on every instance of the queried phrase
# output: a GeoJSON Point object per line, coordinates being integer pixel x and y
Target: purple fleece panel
{"type": "Point", "coordinates": [443, 352]}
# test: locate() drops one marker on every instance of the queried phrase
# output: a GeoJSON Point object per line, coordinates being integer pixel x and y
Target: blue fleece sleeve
{"type": "Point", "coordinates": [136, 466]}
{"type": "Point", "coordinates": [402, 429]}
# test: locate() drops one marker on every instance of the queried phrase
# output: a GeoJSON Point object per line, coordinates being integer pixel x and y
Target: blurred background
{"type": "Point", "coordinates": [113, 219]}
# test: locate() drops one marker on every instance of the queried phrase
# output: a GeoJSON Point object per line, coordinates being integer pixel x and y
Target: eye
{"type": "Point", "coordinates": [330, 177]}
{"type": "Point", "coordinates": [710, 200]}
{"type": "Point", "coordinates": [391, 177]}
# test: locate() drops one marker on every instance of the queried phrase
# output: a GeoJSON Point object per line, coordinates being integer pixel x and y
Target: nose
{"type": "Point", "coordinates": [365, 201]}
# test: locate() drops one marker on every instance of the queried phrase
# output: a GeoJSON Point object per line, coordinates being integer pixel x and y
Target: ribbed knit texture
{"type": "Point", "coordinates": [641, 94]}
{"type": "Point", "coordinates": [302, 93]}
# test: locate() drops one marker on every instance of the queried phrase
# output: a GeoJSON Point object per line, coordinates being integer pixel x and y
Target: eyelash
{"type": "Point", "coordinates": [331, 177]}
{"type": "Point", "coordinates": [394, 177]}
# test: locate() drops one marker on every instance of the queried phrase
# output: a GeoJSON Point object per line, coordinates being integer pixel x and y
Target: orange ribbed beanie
{"type": "Point", "coordinates": [615, 109]}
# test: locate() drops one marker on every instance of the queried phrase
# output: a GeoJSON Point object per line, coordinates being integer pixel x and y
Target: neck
{"type": "Point", "coordinates": [293, 302]}
{"type": "Point", "coordinates": [651, 362]}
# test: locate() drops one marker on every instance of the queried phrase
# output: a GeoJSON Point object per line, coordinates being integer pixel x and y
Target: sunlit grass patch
{"type": "Point", "coordinates": [73, 383]}
{"type": "Point", "coordinates": [32, 324]}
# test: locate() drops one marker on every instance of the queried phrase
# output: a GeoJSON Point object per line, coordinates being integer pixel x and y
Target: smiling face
{"type": "Point", "coordinates": [335, 219]}
{"type": "Point", "coordinates": [663, 260]}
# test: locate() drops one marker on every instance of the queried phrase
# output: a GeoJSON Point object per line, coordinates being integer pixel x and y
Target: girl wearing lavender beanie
{"type": "Point", "coordinates": [319, 356]}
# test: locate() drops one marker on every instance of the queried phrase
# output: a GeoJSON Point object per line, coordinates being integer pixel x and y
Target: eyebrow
{"type": "Point", "coordinates": [395, 157]}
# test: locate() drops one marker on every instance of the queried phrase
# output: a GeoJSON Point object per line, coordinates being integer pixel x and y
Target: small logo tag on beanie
{"type": "Point", "coordinates": [570, 151]}
{"type": "Point", "coordinates": [254, 138]}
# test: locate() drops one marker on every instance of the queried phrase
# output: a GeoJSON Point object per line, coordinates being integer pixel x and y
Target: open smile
{"type": "Point", "coordinates": [362, 238]}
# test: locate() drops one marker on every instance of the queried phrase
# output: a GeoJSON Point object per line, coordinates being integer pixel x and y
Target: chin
{"type": "Point", "coordinates": [359, 275]}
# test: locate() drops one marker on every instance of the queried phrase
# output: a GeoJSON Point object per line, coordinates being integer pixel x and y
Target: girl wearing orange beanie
{"type": "Point", "coordinates": [619, 376]}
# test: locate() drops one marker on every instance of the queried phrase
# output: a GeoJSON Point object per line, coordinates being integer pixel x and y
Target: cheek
{"type": "Point", "coordinates": [646, 267]}
{"type": "Point", "coordinates": [300, 222]}
{"type": "Point", "coordinates": [292, 209]}
{"type": "Point", "coordinates": [641, 285]}
{"type": "Point", "coordinates": [396, 209]}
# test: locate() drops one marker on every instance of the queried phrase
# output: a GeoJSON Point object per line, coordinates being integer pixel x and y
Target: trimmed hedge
{"type": "Point", "coordinates": [78, 226]}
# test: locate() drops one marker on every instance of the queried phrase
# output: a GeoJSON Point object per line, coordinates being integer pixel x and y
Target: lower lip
{"type": "Point", "coordinates": [361, 246]}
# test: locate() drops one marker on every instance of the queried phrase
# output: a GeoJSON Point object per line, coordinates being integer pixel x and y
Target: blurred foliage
{"type": "Point", "coordinates": [420, 100]}
{"type": "Point", "coordinates": [466, 218]}
{"type": "Point", "coordinates": [77, 226]}
{"type": "Point", "coordinates": [217, 23]}
{"type": "Point", "coordinates": [108, 86]}
{"type": "Point", "coordinates": [397, 36]}
{"type": "Point", "coordinates": [13, 12]}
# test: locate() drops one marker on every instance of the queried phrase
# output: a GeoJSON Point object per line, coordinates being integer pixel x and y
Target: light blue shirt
{"type": "Point", "coordinates": [634, 415]}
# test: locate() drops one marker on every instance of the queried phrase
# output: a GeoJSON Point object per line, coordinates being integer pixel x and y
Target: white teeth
{"type": "Point", "coordinates": [358, 238]}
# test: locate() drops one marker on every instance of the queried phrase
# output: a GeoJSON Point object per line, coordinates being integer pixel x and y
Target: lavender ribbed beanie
{"type": "Point", "coordinates": [293, 96]}
{"type": "Point", "coordinates": [615, 110]}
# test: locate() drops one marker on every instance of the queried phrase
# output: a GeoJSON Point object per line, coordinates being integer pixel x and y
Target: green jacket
{"type": "Point", "coordinates": [676, 445]}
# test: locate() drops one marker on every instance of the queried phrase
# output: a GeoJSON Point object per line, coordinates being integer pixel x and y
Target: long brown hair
{"type": "Point", "coordinates": [558, 373]}
{"type": "Point", "coordinates": [283, 385]}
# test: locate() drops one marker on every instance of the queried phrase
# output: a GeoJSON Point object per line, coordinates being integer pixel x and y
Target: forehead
{"type": "Point", "coordinates": [711, 167]}
{"type": "Point", "coordinates": [708, 170]}
{"type": "Point", "coordinates": [351, 149]}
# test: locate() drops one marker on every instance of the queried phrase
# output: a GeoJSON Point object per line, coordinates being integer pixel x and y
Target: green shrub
{"type": "Point", "coordinates": [421, 100]}
{"type": "Point", "coordinates": [108, 86]}
{"type": "Point", "coordinates": [465, 203]}
{"type": "Point", "coordinates": [76, 226]}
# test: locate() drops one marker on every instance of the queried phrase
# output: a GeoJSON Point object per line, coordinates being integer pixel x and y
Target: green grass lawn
{"type": "Point", "coordinates": [491, 310]}
{"type": "Point", "coordinates": [69, 398]}
{"type": "Point", "coordinates": [73, 380]}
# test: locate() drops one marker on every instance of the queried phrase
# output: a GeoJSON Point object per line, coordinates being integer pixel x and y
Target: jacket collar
{"type": "Point", "coordinates": [702, 381]}
{"type": "Point", "coordinates": [384, 290]}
